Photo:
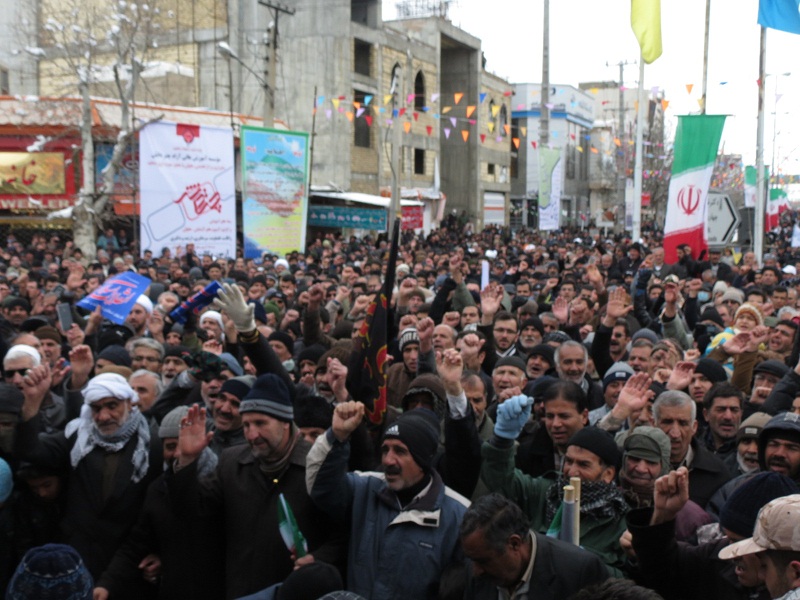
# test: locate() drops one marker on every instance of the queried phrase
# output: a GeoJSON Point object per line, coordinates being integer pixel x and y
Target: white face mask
{"type": "Point", "coordinates": [288, 365]}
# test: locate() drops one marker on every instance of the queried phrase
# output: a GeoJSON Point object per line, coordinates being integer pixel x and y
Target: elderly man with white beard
{"type": "Point", "coordinates": [111, 455]}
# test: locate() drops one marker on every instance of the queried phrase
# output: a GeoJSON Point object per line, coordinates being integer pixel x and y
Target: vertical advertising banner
{"type": "Point", "coordinates": [549, 188]}
{"type": "Point", "coordinates": [187, 188]}
{"type": "Point", "coordinates": [274, 190]}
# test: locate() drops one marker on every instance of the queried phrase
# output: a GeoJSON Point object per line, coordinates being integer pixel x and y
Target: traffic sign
{"type": "Point", "coordinates": [722, 219]}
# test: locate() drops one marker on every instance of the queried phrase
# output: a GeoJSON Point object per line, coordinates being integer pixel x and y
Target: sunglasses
{"type": "Point", "coordinates": [9, 373]}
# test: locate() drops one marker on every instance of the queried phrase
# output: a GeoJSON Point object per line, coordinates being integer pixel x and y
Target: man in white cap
{"type": "Point", "coordinates": [140, 313]}
{"type": "Point", "coordinates": [776, 542]}
{"type": "Point", "coordinates": [110, 456]}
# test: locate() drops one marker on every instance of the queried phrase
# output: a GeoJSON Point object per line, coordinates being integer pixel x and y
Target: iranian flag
{"type": "Point", "coordinates": [750, 186]}
{"type": "Point", "coordinates": [696, 144]}
{"type": "Point", "coordinates": [778, 202]}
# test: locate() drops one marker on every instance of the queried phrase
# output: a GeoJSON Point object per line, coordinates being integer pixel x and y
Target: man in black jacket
{"type": "Point", "coordinates": [511, 561]}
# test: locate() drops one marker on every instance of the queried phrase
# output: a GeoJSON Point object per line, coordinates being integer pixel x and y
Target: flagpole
{"type": "Point", "coordinates": [637, 171]}
{"type": "Point", "coordinates": [761, 196]}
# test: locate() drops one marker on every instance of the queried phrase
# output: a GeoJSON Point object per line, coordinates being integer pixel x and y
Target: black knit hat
{"type": "Point", "coordinates": [712, 370]}
{"type": "Point", "coordinates": [313, 411]}
{"type": "Point", "coordinates": [11, 399]}
{"type": "Point", "coordinates": [772, 367]}
{"type": "Point", "coordinates": [238, 386]}
{"type": "Point", "coordinates": [417, 430]}
{"type": "Point", "coordinates": [599, 442]}
{"type": "Point", "coordinates": [51, 572]}
{"type": "Point", "coordinates": [511, 361]}
{"type": "Point", "coordinates": [740, 510]}
{"type": "Point", "coordinates": [269, 396]}
{"type": "Point", "coordinates": [546, 351]}
{"type": "Point", "coordinates": [535, 322]}
{"type": "Point", "coordinates": [116, 354]}
{"type": "Point", "coordinates": [313, 353]}
{"type": "Point", "coordinates": [284, 338]}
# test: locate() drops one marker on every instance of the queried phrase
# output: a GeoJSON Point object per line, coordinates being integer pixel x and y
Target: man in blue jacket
{"type": "Point", "coordinates": [404, 522]}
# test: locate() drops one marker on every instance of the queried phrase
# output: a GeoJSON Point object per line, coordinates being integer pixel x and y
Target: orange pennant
{"type": "Point", "coordinates": [470, 110]}
{"type": "Point", "coordinates": [357, 105]}
{"type": "Point", "coordinates": [507, 128]}
{"type": "Point", "coordinates": [446, 109]}
{"type": "Point", "coordinates": [465, 134]}
{"type": "Point", "coordinates": [594, 150]}
{"type": "Point", "coordinates": [407, 126]}
{"type": "Point", "coordinates": [689, 87]}
{"type": "Point", "coordinates": [515, 141]}
{"type": "Point", "coordinates": [664, 104]}
{"type": "Point", "coordinates": [457, 97]}
{"type": "Point", "coordinates": [349, 116]}
{"type": "Point", "coordinates": [617, 142]}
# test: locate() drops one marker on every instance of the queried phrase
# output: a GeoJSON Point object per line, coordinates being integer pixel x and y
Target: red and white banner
{"type": "Point", "coordinates": [188, 189]}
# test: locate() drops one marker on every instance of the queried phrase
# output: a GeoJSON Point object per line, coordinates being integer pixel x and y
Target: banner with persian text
{"type": "Point", "coordinates": [32, 173]}
{"type": "Point", "coordinates": [187, 188]}
{"type": "Point", "coordinates": [274, 190]}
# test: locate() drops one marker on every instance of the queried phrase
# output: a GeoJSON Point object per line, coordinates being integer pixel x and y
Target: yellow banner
{"type": "Point", "coordinates": [32, 173]}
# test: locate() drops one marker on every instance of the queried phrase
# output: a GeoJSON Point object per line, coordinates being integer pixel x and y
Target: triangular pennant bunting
{"type": "Point", "coordinates": [465, 134]}
{"type": "Point", "coordinates": [458, 96]}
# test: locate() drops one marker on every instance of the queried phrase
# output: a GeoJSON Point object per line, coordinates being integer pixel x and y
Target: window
{"type": "Point", "coordinates": [419, 91]}
{"type": "Point", "coordinates": [490, 168]}
{"type": "Point", "coordinates": [503, 120]}
{"type": "Point", "coordinates": [492, 113]}
{"type": "Point", "coordinates": [419, 161]}
{"type": "Point", "coordinates": [362, 136]}
{"type": "Point", "coordinates": [362, 57]}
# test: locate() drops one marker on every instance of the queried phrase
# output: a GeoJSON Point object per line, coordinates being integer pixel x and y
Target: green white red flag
{"type": "Point", "coordinates": [696, 144]}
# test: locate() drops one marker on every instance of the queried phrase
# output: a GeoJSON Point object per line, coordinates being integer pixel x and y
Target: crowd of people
{"type": "Point", "coordinates": [227, 456]}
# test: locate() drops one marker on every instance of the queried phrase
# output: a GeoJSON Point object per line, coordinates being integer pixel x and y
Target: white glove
{"type": "Point", "coordinates": [231, 300]}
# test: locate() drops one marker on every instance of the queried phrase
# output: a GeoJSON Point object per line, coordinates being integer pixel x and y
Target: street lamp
{"type": "Point", "coordinates": [224, 50]}
{"type": "Point", "coordinates": [775, 120]}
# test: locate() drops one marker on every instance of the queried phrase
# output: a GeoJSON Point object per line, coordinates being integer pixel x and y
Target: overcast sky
{"type": "Point", "coordinates": [585, 35]}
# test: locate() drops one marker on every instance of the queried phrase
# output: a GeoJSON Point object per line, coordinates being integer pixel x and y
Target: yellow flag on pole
{"type": "Point", "coordinates": [646, 24]}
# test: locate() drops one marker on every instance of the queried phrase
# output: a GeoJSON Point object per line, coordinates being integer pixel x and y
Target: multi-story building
{"type": "Point", "coordinates": [334, 76]}
{"type": "Point", "coordinates": [571, 116]}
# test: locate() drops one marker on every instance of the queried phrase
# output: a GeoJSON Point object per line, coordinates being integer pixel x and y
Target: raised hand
{"type": "Point", "coordinates": [346, 418]}
{"type": "Point", "coordinates": [450, 366]}
{"type": "Point", "coordinates": [617, 307]}
{"type": "Point", "coordinates": [670, 495]}
{"type": "Point", "coordinates": [561, 309]}
{"type": "Point", "coordinates": [231, 300]}
{"type": "Point", "coordinates": [35, 387]}
{"type": "Point", "coordinates": [316, 294]}
{"type": "Point", "coordinates": [634, 395]}
{"type": "Point", "coordinates": [594, 276]}
{"type": "Point", "coordinates": [336, 375]}
{"type": "Point", "coordinates": [81, 363]}
{"type": "Point", "coordinates": [490, 303]}
{"type": "Point", "coordinates": [60, 371]}
{"type": "Point", "coordinates": [75, 335]}
{"type": "Point", "coordinates": [759, 335]}
{"type": "Point", "coordinates": [738, 343]}
{"type": "Point", "coordinates": [512, 416]}
{"type": "Point", "coordinates": [681, 375]}
{"type": "Point", "coordinates": [193, 438]}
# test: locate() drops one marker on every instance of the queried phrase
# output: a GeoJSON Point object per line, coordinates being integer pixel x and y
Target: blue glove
{"type": "Point", "coordinates": [512, 416]}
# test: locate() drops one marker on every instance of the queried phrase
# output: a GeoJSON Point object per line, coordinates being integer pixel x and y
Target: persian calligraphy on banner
{"type": "Point", "coordinates": [117, 296]}
{"type": "Point", "coordinates": [187, 187]}
{"type": "Point", "coordinates": [346, 216]}
{"type": "Point", "coordinates": [32, 173]}
{"type": "Point", "coordinates": [274, 190]}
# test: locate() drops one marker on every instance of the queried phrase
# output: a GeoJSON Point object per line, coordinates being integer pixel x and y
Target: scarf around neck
{"type": "Point", "coordinates": [599, 500]}
{"type": "Point", "coordinates": [90, 438]}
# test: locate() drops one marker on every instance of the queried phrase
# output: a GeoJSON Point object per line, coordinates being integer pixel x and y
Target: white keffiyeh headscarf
{"type": "Point", "coordinates": [110, 385]}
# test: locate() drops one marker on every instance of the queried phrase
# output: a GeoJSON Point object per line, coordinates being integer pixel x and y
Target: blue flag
{"type": "Point", "coordinates": [783, 15]}
{"type": "Point", "coordinates": [117, 296]}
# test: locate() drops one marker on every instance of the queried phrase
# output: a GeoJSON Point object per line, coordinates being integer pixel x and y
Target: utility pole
{"type": "Point", "coordinates": [270, 68]}
{"type": "Point", "coordinates": [761, 184]}
{"type": "Point", "coordinates": [705, 59]}
{"type": "Point", "coordinates": [397, 140]}
{"type": "Point", "coordinates": [622, 163]}
{"type": "Point", "coordinates": [544, 118]}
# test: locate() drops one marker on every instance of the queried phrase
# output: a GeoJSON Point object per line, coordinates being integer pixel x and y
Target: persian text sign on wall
{"type": "Point", "coordinates": [274, 190]}
{"type": "Point", "coordinates": [188, 189]}
{"type": "Point", "coordinates": [345, 216]}
{"type": "Point", "coordinates": [32, 173]}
